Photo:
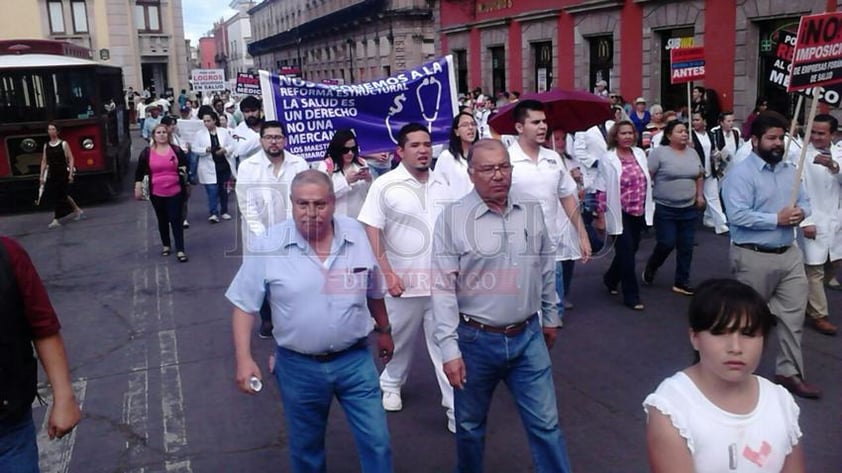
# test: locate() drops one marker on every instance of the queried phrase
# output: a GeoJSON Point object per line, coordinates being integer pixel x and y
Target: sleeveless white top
{"type": "Point", "coordinates": [724, 442]}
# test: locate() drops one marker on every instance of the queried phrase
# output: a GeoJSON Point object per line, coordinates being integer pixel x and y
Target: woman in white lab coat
{"type": "Point", "coordinates": [348, 171]}
{"type": "Point", "coordinates": [630, 208]}
{"type": "Point", "coordinates": [452, 163]}
{"type": "Point", "coordinates": [216, 164]}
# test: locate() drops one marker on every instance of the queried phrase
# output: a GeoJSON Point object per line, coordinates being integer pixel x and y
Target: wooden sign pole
{"type": "Point", "coordinates": [689, 105]}
{"type": "Point", "coordinates": [794, 124]}
{"type": "Point", "coordinates": [796, 186]}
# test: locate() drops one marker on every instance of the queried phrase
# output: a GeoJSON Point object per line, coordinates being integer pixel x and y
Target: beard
{"type": "Point", "coordinates": [274, 153]}
{"type": "Point", "coordinates": [252, 121]}
{"type": "Point", "coordinates": [772, 155]}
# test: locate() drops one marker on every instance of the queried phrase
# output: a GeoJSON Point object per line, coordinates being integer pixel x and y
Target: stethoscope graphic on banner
{"type": "Point", "coordinates": [429, 113]}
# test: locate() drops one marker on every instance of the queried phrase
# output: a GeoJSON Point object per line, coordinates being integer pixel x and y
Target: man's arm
{"type": "Point", "coordinates": [65, 412]}
{"type": "Point", "coordinates": [571, 208]}
{"type": "Point", "coordinates": [242, 324]}
{"type": "Point", "coordinates": [444, 272]}
{"type": "Point", "coordinates": [385, 344]}
{"type": "Point", "coordinates": [377, 241]}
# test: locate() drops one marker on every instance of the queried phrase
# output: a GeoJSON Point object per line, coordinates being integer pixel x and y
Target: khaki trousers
{"type": "Point", "coordinates": [781, 280]}
{"type": "Point", "coordinates": [817, 276]}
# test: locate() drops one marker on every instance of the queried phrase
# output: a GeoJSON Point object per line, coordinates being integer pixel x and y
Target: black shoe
{"type": "Point", "coordinates": [647, 276]}
{"type": "Point", "coordinates": [265, 329]}
{"type": "Point", "coordinates": [684, 289]}
{"type": "Point", "coordinates": [612, 288]}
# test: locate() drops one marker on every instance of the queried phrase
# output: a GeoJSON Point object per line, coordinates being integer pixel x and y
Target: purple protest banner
{"type": "Point", "coordinates": [375, 110]}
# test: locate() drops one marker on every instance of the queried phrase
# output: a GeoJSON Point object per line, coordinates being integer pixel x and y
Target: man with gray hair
{"type": "Point", "coordinates": [495, 310]}
{"type": "Point", "coordinates": [322, 280]}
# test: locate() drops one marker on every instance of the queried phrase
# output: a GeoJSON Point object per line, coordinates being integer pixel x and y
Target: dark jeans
{"type": "Point", "coordinates": [168, 210]}
{"type": "Point", "coordinates": [622, 270]}
{"type": "Point", "coordinates": [18, 448]}
{"type": "Point", "coordinates": [674, 228]}
{"type": "Point", "coordinates": [590, 204]}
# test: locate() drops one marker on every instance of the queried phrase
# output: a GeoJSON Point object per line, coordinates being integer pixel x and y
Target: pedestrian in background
{"type": "Point", "coordinates": [28, 319]}
{"type": "Point", "coordinates": [677, 176]}
{"type": "Point", "coordinates": [630, 208]}
{"type": "Point", "coordinates": [452, 163]}
{"type": "Point", "coordinates": [717, 415]}
{"type": "Point", "coordinates": [214, 148]}
{"type": "Point", "coordinates": [348, 171]}
{"type": "Point", "coordinates": [493, 334]}
{"type": "Point", "coordinates": [165, 166]}
{"type": "Point", "coordinates": [58, 171]}
{"type": "Point", "coordinates": [323, 282]}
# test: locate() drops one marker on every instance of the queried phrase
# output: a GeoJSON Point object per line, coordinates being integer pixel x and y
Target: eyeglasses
{"type": "Point", "coordinates": [467, 125]}
{"type": "Point", "coordinates": [350, 149]}
{"type": "Point", "coordinates": [273, 137]}
{"type": "Point", "coordinates": [504, 169]}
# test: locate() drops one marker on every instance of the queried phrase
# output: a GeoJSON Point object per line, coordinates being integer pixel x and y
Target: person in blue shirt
{"type": "Point", "coordinates": [151, 121]}
{"type": "Point", "coordinates": [323, 281]}
{"type": "Point", "coordinates": [762, 222]}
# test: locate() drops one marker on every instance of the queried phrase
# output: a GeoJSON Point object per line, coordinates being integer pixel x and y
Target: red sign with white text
{"type": "Point", "coordinates": [687, 65]}
{"type": "Point", "coordinates": [818, 52]}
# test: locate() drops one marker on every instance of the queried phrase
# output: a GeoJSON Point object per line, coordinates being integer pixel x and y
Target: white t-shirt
{"type": "Point", "coordinates": [455, 172]}
{"type": "Point", "coordinates": [546, 181]}
{"type": "Point", "coordinates": [406, 211]}
{"type": "Point", "coordinates": [721, 441]}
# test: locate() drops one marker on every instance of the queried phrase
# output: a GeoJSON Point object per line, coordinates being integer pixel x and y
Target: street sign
{"type": "Point", "coordinates": [687, 65]}
{"type": "Point", "coordinates": [817, 60]}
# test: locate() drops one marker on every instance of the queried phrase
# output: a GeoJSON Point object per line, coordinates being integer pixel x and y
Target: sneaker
{"type": "Point", "coordinates": [392, 402]}
{"type": "Point", "coordinates": [54, 224]}
{"type": "Point", "coordinates": [684, 289]}
{"type": "Point", "coordinates": [568, 305]}
{"type": "Point", "coordinates": [226, 216]}
{"type": "Point", "coordinates": [185, 224]}
{"type": "Point", "coordinates": [648, 277]}
{"type": "Point", "coordinates": [213, 219]}
{"type": "Point", "coordinates": [265, 329]}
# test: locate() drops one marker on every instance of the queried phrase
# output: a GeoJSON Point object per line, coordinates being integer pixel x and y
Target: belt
{"type": "Point", "coordinates": [510, 330]}
{"type": "Point", "coordinates": [763, 249]}
{"type": "Point", "coordinates": [330, 356]}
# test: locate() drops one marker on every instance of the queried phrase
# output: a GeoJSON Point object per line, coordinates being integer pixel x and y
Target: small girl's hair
{"type": "Point", "coordinates": [727, 305]}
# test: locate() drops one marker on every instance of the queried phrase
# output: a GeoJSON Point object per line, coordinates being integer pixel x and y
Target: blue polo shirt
{"type": "Point", "coordinates": [317, 306]}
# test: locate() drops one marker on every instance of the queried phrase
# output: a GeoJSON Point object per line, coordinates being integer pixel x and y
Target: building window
{"type": "Point", "coordinates": [80, 16]}
{"type": "Point", "coordinates": [601, 60]}
{"type": "Point", "coordinates": [147, 16]}
{"type": "Point", "coordinates": [56, 17]}
{"type": "Point", "coordinates": [461, 64]}
{"type": "Point", "coordinates": [543, 53]}
{"type": "Point", "coordinates": [498, 69]}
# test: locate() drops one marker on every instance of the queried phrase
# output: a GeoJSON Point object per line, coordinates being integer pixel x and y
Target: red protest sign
{"type": "Point", "coordinates": [687, 65]}
{"type": "Point", "coordinates": [818, 52]}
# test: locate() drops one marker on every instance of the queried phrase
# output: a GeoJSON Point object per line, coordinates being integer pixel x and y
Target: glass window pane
{"type": "Point", "coordinates": [56, 17]}
{"type": "Point", "coordinates": [154, 24]}
{"type": "Point", "coordinates": [140, 17]}
{"type": "Point", "coordinates": [80, 17]}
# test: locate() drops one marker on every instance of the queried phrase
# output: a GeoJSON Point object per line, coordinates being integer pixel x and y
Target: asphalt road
{"type": "Point", "coordinates": [152, 362]}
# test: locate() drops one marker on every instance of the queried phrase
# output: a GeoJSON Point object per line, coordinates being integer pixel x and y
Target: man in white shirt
{"type": "Point", "coordinates": [399, 213]}
{"type": "Point", "coordinates": [588, 147]}
{"type": "Point", "coordinates": [539, 176]}
{"type": "Point", "coordinates": [247, 134]}
{"type": "Point", "coordinates": [703, 144]}
{"type": "Point", "coordinates": [263, 193]}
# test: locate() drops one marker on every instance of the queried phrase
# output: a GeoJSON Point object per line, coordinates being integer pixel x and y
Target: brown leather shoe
{"type": "Point", "coordinates": [798, 386]}
{"type": "Point", "coordinates": [824, 325]}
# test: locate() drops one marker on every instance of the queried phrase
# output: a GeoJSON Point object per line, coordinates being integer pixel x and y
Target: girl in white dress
{"type": "Point", "coordinates": [452, 163]}
{"type": "Point", "coordinates": [716, 415]}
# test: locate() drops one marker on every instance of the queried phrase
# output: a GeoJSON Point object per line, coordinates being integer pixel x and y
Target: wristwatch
{"type": "Point", "coordinates": [387, 329]}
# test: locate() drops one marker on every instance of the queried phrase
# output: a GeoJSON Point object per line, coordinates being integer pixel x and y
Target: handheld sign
{"type": "Point", "coordinates": [208, 80]}
{"type": "Point", "coordinates": [248, 84]}
{"type": "Point", "coordinates": [687, 65]}
{"type": "Point", "coordinates": [782, 66]}
{"type": "Point", "coordinates": [818, 52]}
{"type": "Point", "coordinates": [375, 111]}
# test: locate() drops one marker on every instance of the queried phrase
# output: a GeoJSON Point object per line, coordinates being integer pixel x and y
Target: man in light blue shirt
{"type": "Point", "coordinates": [323, 280]}
{"type": "Point", "coordinates": [151, 121]}
{"type": "Point", "coordinates": [762, 221]}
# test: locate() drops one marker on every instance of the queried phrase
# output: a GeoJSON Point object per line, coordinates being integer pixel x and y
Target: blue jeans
{"type": "Point", "coordinates": [674, 228]}
{"type": "Point", "coordinates": [18, 448]}
{"type": "Point", "coordinates": [307, 389]}
{"type": "Point", "coordinates": [622, 269]}
{"type": "Point", "coordinates": [523, 363]}
{"type": "Point", "coordinates": [193, 167]}
{"type": "Point", "coordinates": [563, 278]}
{"type": "Point", "coordinates": [217, 195]}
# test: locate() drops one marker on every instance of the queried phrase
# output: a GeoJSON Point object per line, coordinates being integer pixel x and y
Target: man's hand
{"type": "Point", "coordinates": [64, 415]}
{"type": "Point", "coordinates": [585, 246]}
{"type": "Point", "coordinates": [395, 285]}
{"type": "Point", "coordinates": [700, 202]}
{"type": "Point", "coordinates": [245, 370]}
{"type": "Point", "coordinates": [789, 216]}
{"type": "Point", "coordinates": [550, 334]}
{"type": "Point", "coordinates": [456, 373]}
{"type": "Point", "coordinates": [810, 232]}
{"type": "Point", "coordinates": [385, 346]}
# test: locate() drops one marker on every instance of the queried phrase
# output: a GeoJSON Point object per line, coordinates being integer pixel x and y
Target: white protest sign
{"type": "Point", "coordinates": [208, 80]}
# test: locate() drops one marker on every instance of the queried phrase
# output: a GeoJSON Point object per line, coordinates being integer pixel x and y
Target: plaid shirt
{"type": "Point", "coordinates": [632, 188]}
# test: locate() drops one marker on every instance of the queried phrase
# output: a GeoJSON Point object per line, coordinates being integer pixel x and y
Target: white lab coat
{"type": "Point", "coordinates": [823, 190]}
{"type": "Point", "coordinates": [349, 197]}
{"type": "Point", "coordinates": [206, 169]}
{"type": "Point", "coordinates": [611, 169]}
{"type": "Point", "coordinates": [588, 147]}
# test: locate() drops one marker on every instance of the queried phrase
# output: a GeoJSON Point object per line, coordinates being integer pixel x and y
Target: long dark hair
{"type": "Point", "coordinates": [455, 144]}
{"type": "Point", "coordinates": [336, 147]}
{"type": "Point", "coordinates": [665, 139]}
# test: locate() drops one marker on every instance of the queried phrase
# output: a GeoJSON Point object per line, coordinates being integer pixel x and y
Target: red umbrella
{"type": "Point", "coordinates": [566, 110]}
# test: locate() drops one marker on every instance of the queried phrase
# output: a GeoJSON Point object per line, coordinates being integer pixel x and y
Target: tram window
{"type": "Point", "coordinates": [22, 98]}
{"type": "Point", "coordinates": [73, 90]}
